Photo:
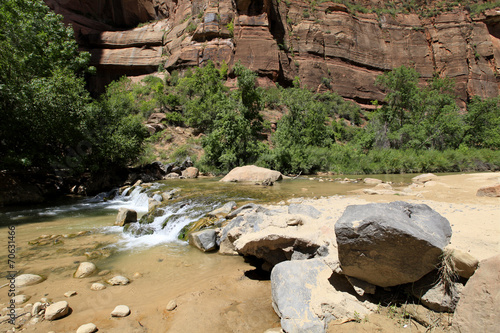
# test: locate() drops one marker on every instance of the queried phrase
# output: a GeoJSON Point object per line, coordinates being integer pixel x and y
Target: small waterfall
{"type": "Point", "coordinates": [136, 200]}
{"type": "Point", "coordinates": [170, 219]}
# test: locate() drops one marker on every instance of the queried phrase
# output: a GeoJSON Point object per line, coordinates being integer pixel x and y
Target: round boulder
{"type": "Point", "coordinates": [85, 269]}
{"type": "Point", "coordinates": [391, 243]}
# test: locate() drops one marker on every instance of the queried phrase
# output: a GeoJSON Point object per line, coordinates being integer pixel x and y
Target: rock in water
{"type": "Point", "coordinates": [204, 240]}
{"type": "Point", "coordinates": [87, 328]}
{"type": "Point", "coordinates": [24, 280]}
{"type": "Point", "coordinates": [477, 310]}
{"type": "Point", "coordinates": [56, 310]}
{"type": "Point", "coordinates": [252, 173]}
{"type": "Point", "coordinates": [85, 269]}
{"type": "Point", "coordinates": [120, 311]}
{"type": "Point", "coordinates": [392, 243]}
{"type": "Point", "coordinates": [118, 280]}
{"type": "Point", "coordinates": [125, 216]}
{"type": "Point", "coordinates": [97, 286]}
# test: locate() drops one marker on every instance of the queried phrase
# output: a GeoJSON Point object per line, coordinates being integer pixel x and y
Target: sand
{"type": "Point", "coordinates": [216, 293]}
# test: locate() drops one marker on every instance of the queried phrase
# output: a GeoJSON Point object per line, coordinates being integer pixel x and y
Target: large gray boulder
{"type": "Point", "coordinates": [477, 310]}
{"type": "Point", "coordinates": [252, 173]}
{"type": "Point", "coordinates": [205, 240]}
{"type": "Point", "coordinates": [391, 243]}
{"type": "Point", "coordinates": [292, 284]}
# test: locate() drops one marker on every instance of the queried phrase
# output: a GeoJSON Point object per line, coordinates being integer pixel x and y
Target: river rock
{"type": "Point", "coordinates": [190, 173]}
{"type": "Point", "coordinates": [477, 310]}
{"type": "Point", "coordinates": [118, 280]}
{"type": "Point", "coordinates": [56, 310]}
{"type": "Point", "coordinates": [85, 269]}
{"type": "Point", "coordinates": [70, 293]}
{"type": "Point", "coordinates": [25, 280]}
{"type": "Point", "coordinates": [171, 305]}
{"type": "Point", "coordinates": [97, 286]}
{"type": "Point", "coordinates": [224, 210]}
{"type": "Point", "coordinates": [252, 173]}
{"type": "Point", "coordinates": [465, 264]}
{"type": "Point", "coordinates": [302, 209]}
{"type": "Point", "coordinates": [424, 178]}
{"type": "Point", "coordinates": [20, 299]}
{"type": "Point", "coordinates": [489, 191]}
{"type": "Point", "coordinates": [433, 293]}
{"type": "Point", "coordinates": [152, 204]}
{"type": "Point", "coordinates": [205, 240]}
{"type": "Point", "coordinates": [87, 328]}
{"type": "Point", "coordinates": [372, 181]}
{"type": "Point", "coordinates": [391, 243]}
{"type": "Point", "coordinates": [37, 308]}
{"type": "Point", "coordinates": [120, 311]}
{"type": "Point", "coordinates": [125, 216]}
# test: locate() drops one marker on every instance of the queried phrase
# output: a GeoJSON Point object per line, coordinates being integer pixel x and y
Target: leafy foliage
{"type": "Point", "coordinates": [48, 118]}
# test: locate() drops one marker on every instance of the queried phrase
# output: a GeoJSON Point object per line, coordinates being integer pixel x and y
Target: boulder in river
{"type": "Point", "coordinates": [205, 240]}
{"type": "Point", "coordinates": [125, 216]}
{"type": "Point", "coordinates": [252, 173]}
{"type": "Point", "coordinates": [85, 269]}
{"type": "Point", "coordinates": [391, 243]}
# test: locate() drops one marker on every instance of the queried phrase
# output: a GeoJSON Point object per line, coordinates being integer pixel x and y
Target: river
{"type": "Point", "coordinates": [51, 240]}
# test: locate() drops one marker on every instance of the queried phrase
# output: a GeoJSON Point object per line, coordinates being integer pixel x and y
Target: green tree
{"type": "Point", "coordinates": [48, 118]}
{"type": "Point", "coordinates": [413, 116]}
{"type": "Point", "coordinates": [482, 123]}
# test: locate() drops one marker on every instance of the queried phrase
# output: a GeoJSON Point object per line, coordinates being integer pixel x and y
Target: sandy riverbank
{"type": "Point", "coordinates": [222, 294]}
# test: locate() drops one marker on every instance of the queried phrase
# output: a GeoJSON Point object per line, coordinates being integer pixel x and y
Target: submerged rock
{"type": "Point", "coordinates": [118, 280]}
{"type": "Point", "coordinates": [85, 269]}
{"type": "Point", "coordinates": [390, 244]}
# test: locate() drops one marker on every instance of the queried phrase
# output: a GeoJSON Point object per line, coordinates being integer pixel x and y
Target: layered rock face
{"type": "Point", "coordinates": [323, 45]}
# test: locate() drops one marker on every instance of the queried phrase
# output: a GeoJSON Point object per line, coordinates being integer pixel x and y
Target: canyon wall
{"type": "Point", "coordinates": [322, 44]}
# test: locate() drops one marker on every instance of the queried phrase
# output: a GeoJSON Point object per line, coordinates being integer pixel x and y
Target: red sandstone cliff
{"type": "Point", "coordinates": [322, 44]}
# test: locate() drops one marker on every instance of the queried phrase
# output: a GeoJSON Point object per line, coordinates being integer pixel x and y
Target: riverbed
{"type": "Point", "coordinates": [213, 293]}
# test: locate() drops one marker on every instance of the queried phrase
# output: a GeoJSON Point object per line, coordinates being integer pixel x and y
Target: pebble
{"type": "Point", "coordinates": [37, 307]}
{"type": "Point", "coordinates": [120, 311]}
{"type": "Point", "coordinates": [87, 328]}
{"type": "Point", "coordinates": [137, 275]}
{"type": "Point", "coordinates": [104, 272]}
{"type": "Point", "coordinates": [171, 305]}
{"type": "Point", "coordinates": [24, 280]}
{"type": "Point", "coordinates": [118, 280]}
{"type": "Point", "coordinates": [20, 299]}
{"type": "Point", "coordinates": [97, 286]}
{"type": "Point", "coordinates": [56, 310]}
{"type": "Point", "coordinates": [85, 269]}
{"type": "Point", "coordinates": [70, 293]}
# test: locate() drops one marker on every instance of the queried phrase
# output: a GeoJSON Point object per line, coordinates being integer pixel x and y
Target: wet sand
{"type": "Point", "coordinates": [217, 293]}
